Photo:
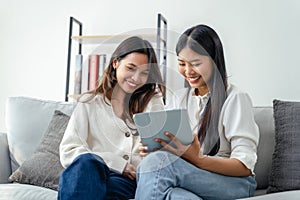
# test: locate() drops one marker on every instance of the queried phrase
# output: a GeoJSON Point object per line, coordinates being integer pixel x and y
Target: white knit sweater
{"type": "Point", "coordinates": [94, 128]}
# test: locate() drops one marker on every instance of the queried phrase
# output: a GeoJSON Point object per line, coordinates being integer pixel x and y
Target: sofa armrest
{"type": "Point", "coordinates": [5, 166]}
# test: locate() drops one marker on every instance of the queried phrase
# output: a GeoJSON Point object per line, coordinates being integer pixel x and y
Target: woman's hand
{"type": "Point", "coordinates": [130, 171]}
{"type": "Point", "coordinates": [142, 150]}
{"type": "Point", "coordinates": [191, 153]}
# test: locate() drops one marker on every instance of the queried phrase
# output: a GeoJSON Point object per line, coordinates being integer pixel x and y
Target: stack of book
{"type": "Point", "coordinates": [97, 64]}
{"type": "Point", "coordinates": [91, 77]}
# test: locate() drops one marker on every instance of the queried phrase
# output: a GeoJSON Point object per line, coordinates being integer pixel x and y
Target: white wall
{"type": "Point", "coordinates": [261, 41]}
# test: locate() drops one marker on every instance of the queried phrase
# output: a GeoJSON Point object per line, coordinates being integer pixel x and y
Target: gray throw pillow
{"type": "Point", "coordinates": [43, 168]}
{"type": "Point", "coordinates": [285, 169]}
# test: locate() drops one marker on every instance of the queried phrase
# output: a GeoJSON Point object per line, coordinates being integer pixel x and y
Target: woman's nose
{"type": "Point", "coordinates": [135, 76]}
{"type": "Point", "coordinates": [189, 69]}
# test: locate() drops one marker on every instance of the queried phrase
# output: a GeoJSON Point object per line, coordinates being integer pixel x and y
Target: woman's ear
{"type": "Point", "coordinates": [115, 63]}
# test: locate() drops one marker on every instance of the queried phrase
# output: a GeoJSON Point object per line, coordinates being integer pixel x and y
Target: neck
{"type": "Point", "coordinates": [118, 94]}
{"type": "Point", "coordinates": [201, 91]}
{"type": "Point", "coordinates": [118, 100]}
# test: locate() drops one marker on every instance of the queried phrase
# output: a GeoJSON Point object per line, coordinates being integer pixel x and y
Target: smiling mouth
{"type": "Point", "coordinates": [192, 79]}
{"type": "Point", "coordinates": [131, 84]}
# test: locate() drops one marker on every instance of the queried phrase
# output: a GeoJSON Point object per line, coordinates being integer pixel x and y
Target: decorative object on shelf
{"type": "Point", "coordinates": [78, 74]}
{"type": "Point", "coordinates": [102, 65]}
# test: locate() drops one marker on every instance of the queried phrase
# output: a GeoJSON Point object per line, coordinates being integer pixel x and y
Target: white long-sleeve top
{"type": "Point", "coordinates": [239, 134]}
{"type": "Point", "coordinates": [94, 128]}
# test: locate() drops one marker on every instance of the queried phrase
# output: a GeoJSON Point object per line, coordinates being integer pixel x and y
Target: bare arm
{"type": "Point", "coordinates": [193, 154]}
{"type": "Point", "coordinates": [225, 166]}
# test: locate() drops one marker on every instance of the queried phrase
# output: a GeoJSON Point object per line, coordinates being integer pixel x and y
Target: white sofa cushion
{"type": "Point", "coordinates": [265, 121]}
{"type": "Point", "coordinates": [17, 191]}
{"type": "Point", "coordinates": [5, 168]}
{"type": "Point", "coordinates": [27, 120]}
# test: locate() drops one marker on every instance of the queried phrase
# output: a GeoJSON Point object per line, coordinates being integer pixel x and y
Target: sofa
{"type": "Point", "coordinates": [28, 121]}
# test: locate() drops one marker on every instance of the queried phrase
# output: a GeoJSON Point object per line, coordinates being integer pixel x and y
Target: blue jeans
{"type": "Point", "coordinates": [162, 175]}
{"type": "Point", "coordinates": [88, 177]}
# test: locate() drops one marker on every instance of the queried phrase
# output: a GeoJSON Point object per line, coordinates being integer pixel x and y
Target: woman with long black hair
{"type": "Point", "coordinates": [219, 163]}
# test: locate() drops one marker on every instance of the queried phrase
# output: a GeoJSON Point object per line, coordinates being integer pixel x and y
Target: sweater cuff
{"type": "Point", "coordinates": [114, 162]}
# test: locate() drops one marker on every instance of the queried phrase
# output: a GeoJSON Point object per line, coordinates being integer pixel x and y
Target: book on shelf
{"type": "Point", "coordinates": [95, 69]}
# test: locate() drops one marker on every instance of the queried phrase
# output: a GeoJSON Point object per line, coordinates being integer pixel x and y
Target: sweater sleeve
{"type": "Point", "coordinates": [113, 161]}
{"type": "Point", "coordinates": [73, 142]}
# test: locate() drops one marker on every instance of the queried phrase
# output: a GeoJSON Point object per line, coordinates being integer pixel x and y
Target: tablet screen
{"type": "Point", "coordinates": [151, 125]}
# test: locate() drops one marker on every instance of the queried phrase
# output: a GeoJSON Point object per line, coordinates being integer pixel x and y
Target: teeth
{"type": "Point", "coordinates": [193, 78]}
{"type": "Point", "coordinates": [131, 84]}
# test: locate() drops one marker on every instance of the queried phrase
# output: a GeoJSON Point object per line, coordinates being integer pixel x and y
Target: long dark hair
{"type": "Point", "coordinates": [204, 40]}
{"type": "Point", "coordinates": [138, 100]}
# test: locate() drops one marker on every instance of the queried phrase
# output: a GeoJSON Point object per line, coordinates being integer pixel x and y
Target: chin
{"type": "Point", "coordinates": [193, 85]}
{"type": "Point", "coordinates": [130, 91]}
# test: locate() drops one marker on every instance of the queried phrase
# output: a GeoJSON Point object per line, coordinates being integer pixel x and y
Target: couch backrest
{"type": "Point", "coordinates": [265, 121]}
{"type": "Point", "coordinates": [26, 121]}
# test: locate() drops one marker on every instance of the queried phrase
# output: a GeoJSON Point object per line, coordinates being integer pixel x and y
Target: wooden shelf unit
{"type": "Point", "coordinates": [112, 39]}
{"type": "Point", "coordinates": [160, 38]}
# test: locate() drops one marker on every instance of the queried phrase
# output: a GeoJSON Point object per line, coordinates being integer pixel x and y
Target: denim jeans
{"type": "Point", "coordinates": [162, 175]}
{"type": "Point", "coordinates": [88, 177]}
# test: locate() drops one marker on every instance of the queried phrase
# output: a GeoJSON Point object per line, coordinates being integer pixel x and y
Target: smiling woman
{"type": "Point", "coordinates": [100, 146]}
{"type": "Point", "coordinates": [196, 69]}
{"type": "Point", "coordinates": [219, 163]}
{"type": "Point", "coordinates": [132, 72]}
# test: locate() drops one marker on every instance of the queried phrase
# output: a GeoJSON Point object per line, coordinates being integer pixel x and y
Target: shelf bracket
{"type": "Point", "coordinates": [162, 38]}
{"type": "Point", "coordinates": [72, 21]}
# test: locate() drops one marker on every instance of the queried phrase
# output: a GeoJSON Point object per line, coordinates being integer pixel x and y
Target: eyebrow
{"type": "Point", "coordinates": [195, 60]}
{"type": "Point", "coordinates": [132, 64]}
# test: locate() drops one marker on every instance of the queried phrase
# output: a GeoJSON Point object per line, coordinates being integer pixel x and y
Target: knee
{"type": "Point", "coordinates": [87, 161]}
{"type": "Point", "coordinates": [180, 193]}
{"type": "Point", "coordinates": [88, 157]}
{"type": "Point", "coordinates": [156, 161]}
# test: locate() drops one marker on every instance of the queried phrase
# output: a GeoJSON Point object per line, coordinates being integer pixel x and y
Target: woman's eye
{"type": "Point", "coordinates": [130, 68]}
{"type": "Point", "coordinates": [196, 64]}
{"type": "Point", "coordinates": [181, 64]}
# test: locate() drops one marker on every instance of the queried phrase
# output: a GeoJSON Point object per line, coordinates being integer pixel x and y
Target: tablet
{"type": "Point", "coordinates": [151, 125]}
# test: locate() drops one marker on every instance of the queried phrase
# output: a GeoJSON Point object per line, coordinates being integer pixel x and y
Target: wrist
{"type": "Point", "coordinates": [201, 161]}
